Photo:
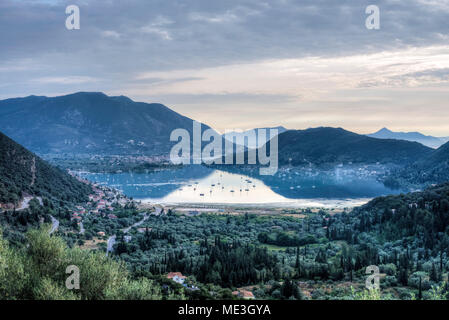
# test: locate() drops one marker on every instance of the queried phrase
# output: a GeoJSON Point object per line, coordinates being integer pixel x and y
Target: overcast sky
{"type": "Point", "coordinates": [241, 64]}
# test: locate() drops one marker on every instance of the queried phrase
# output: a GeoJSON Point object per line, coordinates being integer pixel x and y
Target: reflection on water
{"type": "Point", "coordinates": [198, 184]}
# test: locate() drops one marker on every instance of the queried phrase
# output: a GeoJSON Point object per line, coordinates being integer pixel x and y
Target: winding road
{"type": "Point", "coordinates": [25, 204]}
{"type": "Point", "coordinates": [112, 239]}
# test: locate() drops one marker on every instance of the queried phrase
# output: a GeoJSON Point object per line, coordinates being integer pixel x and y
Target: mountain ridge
{"type": "Point", "coordinates": [427, 140]}
{"type": "Point", "coordinates": [251, 142]}
{"type": "Point", "coordinates": [90, 123]}
{"type": "Point", "coordinates": [332, 145]}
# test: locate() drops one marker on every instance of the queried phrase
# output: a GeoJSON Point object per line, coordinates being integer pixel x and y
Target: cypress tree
{"type": "Point", "coordinates": [420, 289]}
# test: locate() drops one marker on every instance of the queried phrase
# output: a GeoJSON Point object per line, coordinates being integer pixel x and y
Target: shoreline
{"type": "Point", "coordinates": [312, 204]}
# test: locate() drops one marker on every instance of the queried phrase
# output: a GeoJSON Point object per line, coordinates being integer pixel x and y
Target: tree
{"type": "Point", "coordinates": [420, 289]}
{"type": "Point", "coordinates": [39, 272]}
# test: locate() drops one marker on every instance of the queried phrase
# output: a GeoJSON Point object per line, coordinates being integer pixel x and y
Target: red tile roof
{"type": "Point", "coordinates": [171, 275]}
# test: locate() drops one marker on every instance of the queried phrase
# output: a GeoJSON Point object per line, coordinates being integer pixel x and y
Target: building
{"type": "Point", "coordinates": [176, 277]}
{"type": "Point", "coordinates": [245, 294]}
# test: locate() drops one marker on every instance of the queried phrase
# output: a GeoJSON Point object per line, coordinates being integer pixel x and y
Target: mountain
{"type": "Point", "coordinates": [251, 141]}
{"type": "Point", "coordinates": [90, 123]}
{"type": "Point", "coordinates": [432, 142]}
{"type": "Point", "coordinates": [431, 169]}
{"type": "Point", "coordinates": [23, 173]}
{"type": "Point", "coordinates": [326, 145]}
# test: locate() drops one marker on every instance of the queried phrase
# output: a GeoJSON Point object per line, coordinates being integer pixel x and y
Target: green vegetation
{"type": "Point", "coordinates": [335, 145]}
{"type": "Point", "coordinates": [38, 271]}
{"type": "Point", "coordinates": [407, 236]}
{"type": "Point", "coordinates": [433, 169]}
{"type": "Point", "coordinates": [22, 172]}
{"type": "Point", "coordinates": [313, 256]}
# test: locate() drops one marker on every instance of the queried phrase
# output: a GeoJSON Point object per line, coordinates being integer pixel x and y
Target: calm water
{"type": "Point", "coordinates": [198, 184]}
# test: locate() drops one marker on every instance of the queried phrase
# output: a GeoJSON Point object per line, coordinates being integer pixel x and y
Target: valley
{"type": "Point", "coordinates": [339, 202]}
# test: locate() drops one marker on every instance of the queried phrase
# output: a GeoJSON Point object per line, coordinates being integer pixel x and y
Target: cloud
{"type": "Point", "coordinates": [156, 27]}
{"type": "Point", "coordinates": [110, 34]}
{"type": "Point", "coordinates": [217, 18]}
{"type": "Point", "coordinates": [164, 34]}
{"type": "Point", "coordinates": [64, 80]}
{"type": "Point", "coordinates": [312, 76]}
{"type": "Point", "coordinates": [295, 61]}
{"type": "Point", "coordinates": [222, 98]}
{"type": "Point", "coordinates": [236, 14]}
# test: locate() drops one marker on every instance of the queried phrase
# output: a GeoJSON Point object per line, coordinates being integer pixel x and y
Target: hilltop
{"type": "Point", "coordinates": [90, 123]}
{"type": "Point", "coordinates": [326, 145]}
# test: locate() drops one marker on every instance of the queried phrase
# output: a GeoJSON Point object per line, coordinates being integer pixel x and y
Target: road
{"type": "Point", "coordinates": [145, 217]}
{"type": "Point", "coordinates": [25, 204]}
{"type": "Point", "coordinates": [112, 239]}
{"type": "Point", "coordinates": [54, 224]}
{"type": "Point", "coordinates": [82, 230]}
{"type": "Point", "coordinates": [111, 242]}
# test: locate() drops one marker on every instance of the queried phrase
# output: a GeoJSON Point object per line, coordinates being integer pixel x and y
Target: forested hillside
{"type": "Point", "coordinates": [406, 235]}
{"type": "Point", "coordinates": [22, 172]}
{"type": "Point", "coordinates": [432, 169]}
{"type": "Point", "coordinates": [335, 145]}
{"type": "Point", "coordinates": [90, 123]}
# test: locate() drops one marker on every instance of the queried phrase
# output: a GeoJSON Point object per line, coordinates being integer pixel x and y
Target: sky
{"type": "Point", "coordinates": [241, 64]}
